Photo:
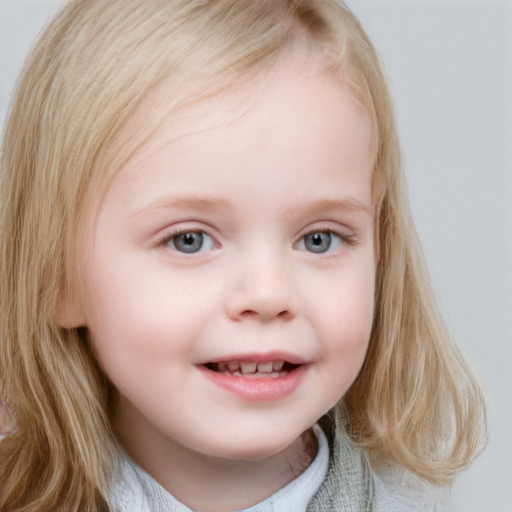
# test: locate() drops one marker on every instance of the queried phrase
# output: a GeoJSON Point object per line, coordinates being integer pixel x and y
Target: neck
{"type": "Point", "coordinates": [211, 484]}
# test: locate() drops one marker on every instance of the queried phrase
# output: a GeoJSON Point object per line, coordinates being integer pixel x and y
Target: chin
{"type": "Point", "coordinates": [253, 448]}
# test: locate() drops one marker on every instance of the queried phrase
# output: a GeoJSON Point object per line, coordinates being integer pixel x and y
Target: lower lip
{"type": "Point", "coordinates": [258, 389]}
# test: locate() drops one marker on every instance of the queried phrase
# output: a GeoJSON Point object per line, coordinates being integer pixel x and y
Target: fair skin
{"type": "Point", "coordinates": [229, 287]}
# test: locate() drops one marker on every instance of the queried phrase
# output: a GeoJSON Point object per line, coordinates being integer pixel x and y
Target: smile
{"type": "Point", "coordinates": [253, 369]}
{"type": "Point", "coordinates": [256, 381]}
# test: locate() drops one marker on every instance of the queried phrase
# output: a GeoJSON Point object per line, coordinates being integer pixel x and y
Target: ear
{"type": "Point", "coordinates": [70, 314]}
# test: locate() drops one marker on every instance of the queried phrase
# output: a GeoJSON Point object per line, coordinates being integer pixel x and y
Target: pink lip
{"type": "Point", "coordinates": [262, 389]}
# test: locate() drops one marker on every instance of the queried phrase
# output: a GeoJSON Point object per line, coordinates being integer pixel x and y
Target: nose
{"type": "Point", "coordinates": [263, 290]}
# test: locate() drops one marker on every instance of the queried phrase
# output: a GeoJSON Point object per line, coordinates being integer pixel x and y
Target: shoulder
{"type": "Point", "coordinates": [355, 483]}
{"type": "Point", "coordinates": [398, 490]}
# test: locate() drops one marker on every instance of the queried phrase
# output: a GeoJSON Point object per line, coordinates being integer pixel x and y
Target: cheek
{"type": "Point", "coordinates": [347, 302]}
{"type": "Point", "coordinates": [124, 322]}
{"type": "Point", "coordinates": [349, 331]}
{"type": "Point", "coordinates": [344, 324]}
{"type": "Point", "coordinates": [345, 348]}
{"type": "Point", "coordinates": [137, 317]}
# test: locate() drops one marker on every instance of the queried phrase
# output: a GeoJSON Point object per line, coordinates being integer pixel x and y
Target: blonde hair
{"type": "Point", "coordinates": [415, 402]}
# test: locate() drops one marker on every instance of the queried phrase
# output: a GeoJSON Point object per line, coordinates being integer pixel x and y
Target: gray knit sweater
{"type": "Point", "coordinates": [352, 485]}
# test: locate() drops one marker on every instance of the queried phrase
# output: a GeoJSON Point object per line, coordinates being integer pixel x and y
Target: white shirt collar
{"type": "Point", "coordinates": [136, 491]}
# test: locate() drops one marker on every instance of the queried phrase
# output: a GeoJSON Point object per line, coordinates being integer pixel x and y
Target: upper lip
{"type": "Point", "coordinates": [260, 358]}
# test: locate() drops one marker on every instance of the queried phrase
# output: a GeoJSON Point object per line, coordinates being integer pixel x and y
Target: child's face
{"type": "Point", "coordinates": [237, 238]}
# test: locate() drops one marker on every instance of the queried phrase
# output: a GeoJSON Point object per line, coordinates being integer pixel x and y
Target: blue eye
{"type": "Point", "coordinates": [320, 242]}
{"type": "Point", "coordinates": [190, 242]}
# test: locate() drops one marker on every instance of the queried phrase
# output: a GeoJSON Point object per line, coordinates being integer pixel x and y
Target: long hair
{"type": "Point", "coordinates": [415, 401]}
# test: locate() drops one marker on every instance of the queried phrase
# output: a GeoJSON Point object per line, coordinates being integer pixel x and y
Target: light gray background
{"type": "Point", "coordinates": [450, 69]}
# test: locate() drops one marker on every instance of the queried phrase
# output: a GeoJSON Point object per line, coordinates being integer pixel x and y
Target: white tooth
{"type": "Point", "coordinates": [233, 366]}
{"type": "Point", "coordinates": [265, 367]}
{"type": "Point", "coordinates": [247, 367]}
{"type": "Point", "coordinates": [277, 365]}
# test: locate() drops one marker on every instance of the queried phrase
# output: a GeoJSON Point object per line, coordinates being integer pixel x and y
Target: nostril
{"type": "Point", "coordinates": [266, 315]}
{"type": "Point", "coordinates": [249, 313]}
{"type": "Point", "coordinates": [285, 315]}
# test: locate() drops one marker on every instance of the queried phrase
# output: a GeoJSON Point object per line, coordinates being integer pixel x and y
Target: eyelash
{"type": "Point", "coordinates": [172, 236]}
{"type": "Point", "coordinates": [343, 239]}
{"type": "Point", "coordinates": [340, 239]}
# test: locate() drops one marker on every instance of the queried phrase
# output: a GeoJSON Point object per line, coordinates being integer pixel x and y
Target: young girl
{"type": "Point", "coordinates": [212, 295]}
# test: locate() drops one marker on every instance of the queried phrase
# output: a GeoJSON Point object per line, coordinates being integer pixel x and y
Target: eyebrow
{"type": "Point", "coordinates": [347, 204]}
{"type": "Point", "coordinates": [205, 204]}
{"type": "Point", "coordinates": [219, 204]}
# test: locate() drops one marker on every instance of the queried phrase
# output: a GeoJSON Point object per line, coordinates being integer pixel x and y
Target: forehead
{"type": "Point", "coordinates": [255, 104]}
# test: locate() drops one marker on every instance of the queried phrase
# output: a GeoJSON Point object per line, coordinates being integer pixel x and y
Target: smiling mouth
{"type": "Point", "coordinates": [252, 369]}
